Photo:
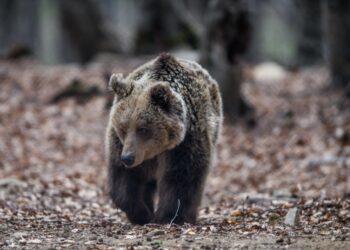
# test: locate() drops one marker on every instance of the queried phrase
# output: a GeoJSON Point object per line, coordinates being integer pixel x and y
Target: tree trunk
{"type": "Point", "coordinates": [160, 27]}
{"type": "Point", "coordinates": [152, 34]}
{"type": "Point", "coordinates": [310, 35]}
{"type": "Point", "coordinates": [85, 26]}
{"type": "Point", "coordinates": [18, 26]}
{"type": "Point", "coordinates": [337, 29]}
{"type": "Point", "coordinates": [223, 29]}
{"type": "Point", "coordinates": [225, 41]}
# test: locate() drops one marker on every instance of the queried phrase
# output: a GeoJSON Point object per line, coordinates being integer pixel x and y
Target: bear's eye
{"type": "Point", "coordinates": [142, 131]}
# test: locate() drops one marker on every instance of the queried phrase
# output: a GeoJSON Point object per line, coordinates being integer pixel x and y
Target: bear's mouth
{"type": "Point", "coordinates": [128, 166]}
{"type": "Point", "coordinates": [134, 165]}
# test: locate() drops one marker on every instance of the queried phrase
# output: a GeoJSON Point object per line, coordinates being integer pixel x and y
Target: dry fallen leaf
{"type": "Point", "coordinates": [236, 213]}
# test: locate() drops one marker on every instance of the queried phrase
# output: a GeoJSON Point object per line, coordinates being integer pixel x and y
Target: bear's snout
{"type": "Point", "coordinates": [128, 159]}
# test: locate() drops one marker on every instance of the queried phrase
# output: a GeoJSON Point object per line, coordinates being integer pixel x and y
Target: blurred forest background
{"type": "Point", "coordinates": [282, 173]}
{"type": "Point", "coordinates": [221, 34]}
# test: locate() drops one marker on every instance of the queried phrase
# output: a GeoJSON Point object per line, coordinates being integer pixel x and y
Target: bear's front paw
{"type": "Point", "coordinates": [173, 217]}
{"type": "Point", "coordinates": [140, 215]}
{"type": "Point", "coordinates": [168, 218]}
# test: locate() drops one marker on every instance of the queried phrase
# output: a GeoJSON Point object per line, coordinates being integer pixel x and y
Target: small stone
{"type": "Point", "coordinates": [282, 193]}
{"type": "Point", "coordinates": [344, 213]}
{"type": "Point", "coordinates": [314, 220]}
{"type": "Point", "coordinates": [34, 241]}
{"type": "Point", "coordinates": [22, 241]}
{"type": "Point", "coordinates": [309, 203]}
{"type": "Point", "coordinates": [213, 229]}
{"type": "Point", "coordinates": [339, 133]}
{"type": "Point", "coordinates": [292, 217]}
{"type": "Point", "coordinates": [19, 235]}
{"type": "Point", "coordinates": [318, 214]}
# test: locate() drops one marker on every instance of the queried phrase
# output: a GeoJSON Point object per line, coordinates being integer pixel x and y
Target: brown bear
{"type": "Point", "coordinates": [161, 136]}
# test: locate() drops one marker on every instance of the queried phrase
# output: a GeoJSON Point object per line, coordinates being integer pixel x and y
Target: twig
{"type": "Point", "coordinates": [244, 211]}
{"type": "Point", "coordinates": [176, 213]}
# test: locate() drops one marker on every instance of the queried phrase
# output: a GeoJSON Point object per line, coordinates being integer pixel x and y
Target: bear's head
{"type": "Point", "coordinates": [149, 119]}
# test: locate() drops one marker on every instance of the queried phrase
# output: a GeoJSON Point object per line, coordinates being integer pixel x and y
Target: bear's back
{"type": "Point", "coordinates": [186, 77]}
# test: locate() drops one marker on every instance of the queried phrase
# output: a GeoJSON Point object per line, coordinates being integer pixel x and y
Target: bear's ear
{"type": "Point", "coordinates": [119, 86]}
{"type": "Point", "coordinates": [161, 96]}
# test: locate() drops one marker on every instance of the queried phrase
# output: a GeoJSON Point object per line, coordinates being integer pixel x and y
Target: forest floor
{"type": "Point", "coordinates": [53, 174]}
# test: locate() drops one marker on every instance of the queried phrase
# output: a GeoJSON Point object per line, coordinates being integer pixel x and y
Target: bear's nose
{"type": "Point", "coordinates": [128, 159]}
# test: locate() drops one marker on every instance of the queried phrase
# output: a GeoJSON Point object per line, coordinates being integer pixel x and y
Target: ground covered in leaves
{"type": "Point", "coordinates": [295, 161]}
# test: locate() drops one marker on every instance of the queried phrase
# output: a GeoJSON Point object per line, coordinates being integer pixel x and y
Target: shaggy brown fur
{"type": "Point", "coordinates": [161, 135]}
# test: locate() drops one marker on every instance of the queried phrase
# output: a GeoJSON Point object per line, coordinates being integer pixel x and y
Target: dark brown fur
{"type": "Point", "coordinates": [168, 114]}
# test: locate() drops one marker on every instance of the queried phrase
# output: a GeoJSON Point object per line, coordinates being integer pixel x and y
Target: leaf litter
{"type": "Point", "coordinates": [53, 176]}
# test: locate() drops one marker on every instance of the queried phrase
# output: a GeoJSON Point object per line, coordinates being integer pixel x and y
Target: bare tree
{"type": "Point", "coordinates": [223, 29]}
{"type": "Point", "coordinates": [19, 27]}
{"type": "Point", "coordinates": [154, 29]}
{"type": "Point", "coordinates": [337, 29]}
{"type": "Point", "coordinates": [310, 40]}
{"type": "Point", "coordinates": [86, 28]}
